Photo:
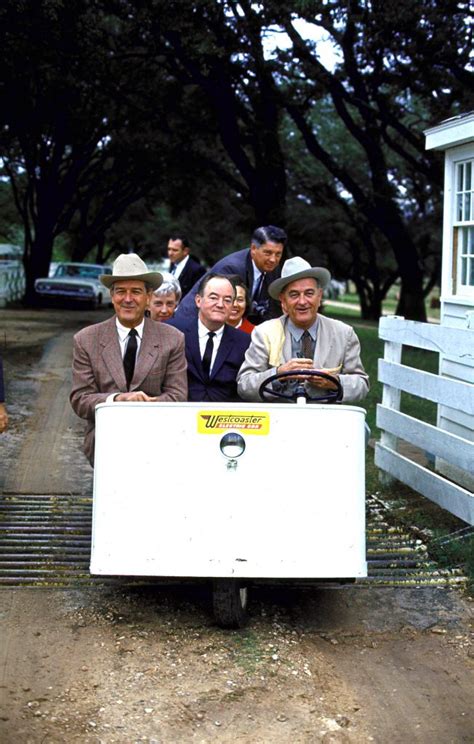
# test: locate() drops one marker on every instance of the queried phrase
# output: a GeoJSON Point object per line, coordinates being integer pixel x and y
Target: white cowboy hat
{"type": "Point", "coordinates": [131, 266]}
{"type": "Point", "coordinates": [297, 268]}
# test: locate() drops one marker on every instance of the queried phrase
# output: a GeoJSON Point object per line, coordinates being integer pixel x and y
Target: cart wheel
{"type": "Point", "coordinates": [229, 600]}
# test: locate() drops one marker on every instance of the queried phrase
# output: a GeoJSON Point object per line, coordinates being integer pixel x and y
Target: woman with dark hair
{"type": "Point", "coordinates": [240, 305]}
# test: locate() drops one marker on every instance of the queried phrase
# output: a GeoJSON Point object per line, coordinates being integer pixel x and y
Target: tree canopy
{"type": "Point", "coordinates": [119, 114]}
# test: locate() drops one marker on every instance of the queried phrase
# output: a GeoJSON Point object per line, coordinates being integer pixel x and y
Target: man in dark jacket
{"type": "Point", "coordinates": [184, 268]}
{"type": "Point", "coordinates": [257, 266]}
{"type": "Point", "coordinates": [214, 350]}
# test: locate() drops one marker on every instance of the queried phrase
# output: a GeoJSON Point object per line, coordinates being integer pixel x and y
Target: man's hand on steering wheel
{"type": "Point", "coordinates": [295, 364]}
{"type": "Point", "coordinates": [322, 382]}
{"type": "Point", "coordinates": [301, 364]}
{"type": "Point", "coordinates": [332, 392]}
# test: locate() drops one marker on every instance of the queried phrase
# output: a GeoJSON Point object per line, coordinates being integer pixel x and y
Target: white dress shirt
{"type": "Point", "coordinates": [179, 267]}
{"type": "Point", "coordinates": [203, 334]}
{"type": "Point", "coordinates": [123, 341]}
{"type": "Point", "coordinates": [123, 335]}
{"type": "Point", "coordinates": [256, 277]}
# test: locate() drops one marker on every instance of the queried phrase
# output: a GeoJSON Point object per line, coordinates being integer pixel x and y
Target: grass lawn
{"type": "Point", "coordinates": [408, 506]}
{"type": "Point", "coordinates": [389, 305]}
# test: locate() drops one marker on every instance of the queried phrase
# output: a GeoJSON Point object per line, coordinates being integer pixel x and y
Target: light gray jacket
{"type": "Point", "coordinates": [336, 344]}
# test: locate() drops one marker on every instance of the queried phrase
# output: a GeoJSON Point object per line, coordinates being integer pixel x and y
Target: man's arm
{"type": "Point", "coordinates": [353, 377]}
{"type": "Point", "coordinates": [85, 395]}
{"type": "Point", "coordinates": [255, 368]}
{"type": "Point", "coordinates": [175, 383]}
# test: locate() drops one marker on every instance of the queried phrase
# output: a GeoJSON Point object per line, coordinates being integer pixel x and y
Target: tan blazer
{"type": "Point", "coordinates": [97, 369]}
{"type": "Point", "coordinates": [337, 344]}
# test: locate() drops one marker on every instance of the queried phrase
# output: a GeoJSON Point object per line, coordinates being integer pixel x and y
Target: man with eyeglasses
{"type": "Point", "coordinates": [128, 357]}
{"type": "Point", "coordinates": [214, 350]}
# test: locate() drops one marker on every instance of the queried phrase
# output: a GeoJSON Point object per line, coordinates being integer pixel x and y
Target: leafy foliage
{"type": "Point", "coordinates": [121, 119]}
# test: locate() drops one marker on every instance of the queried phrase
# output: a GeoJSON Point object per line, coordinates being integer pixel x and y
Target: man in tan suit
{"type": "Point", "coordinates": [301, 339]}
{"type": "Point", "coordinates": [128, 357]}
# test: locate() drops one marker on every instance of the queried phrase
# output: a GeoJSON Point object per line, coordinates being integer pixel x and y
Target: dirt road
{"type": "Point", "coordinates": [147, 664]}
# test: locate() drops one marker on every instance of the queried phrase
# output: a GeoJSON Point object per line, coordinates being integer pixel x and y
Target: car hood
{"type": "Point", "coordinates": [71, 280]}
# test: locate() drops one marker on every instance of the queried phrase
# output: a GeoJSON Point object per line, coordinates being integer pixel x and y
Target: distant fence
{"type": "Point", "coordinates": [396, 377]}
{"type": "Point", "coordinates": [12, 281]}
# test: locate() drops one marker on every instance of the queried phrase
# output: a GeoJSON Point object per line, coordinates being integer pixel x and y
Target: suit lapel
{"type": "Point", "coordinates": [323, 345]}
{"type": "Point", "coordinates": [192, 345]}
{"type": "Point", "coordinates": [223, 352]}
{"type": "Point", "coordinates": [184, 274]}
{"type": "Point", "coordinates": [111, 354]}
{"type": "Point", "coordinates": [149, 349]}
{"type": "Point", "coordinates": [249, 273]}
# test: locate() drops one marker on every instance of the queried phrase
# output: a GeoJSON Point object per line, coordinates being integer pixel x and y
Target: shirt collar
{"type": "Point", "coordinates": [203, 331]}
{"type": "Point", "coordinates": [298, 332]}
{"type": "Point", "coordinates": [183, 262]}
{"type": "Point", "coordinates": [256, 271]}
{"type": "Point", "coordinates": [123, 331]}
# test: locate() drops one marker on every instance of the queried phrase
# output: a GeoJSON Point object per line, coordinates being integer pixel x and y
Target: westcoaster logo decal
{"type": "Point", "coordinates": [215, 422]}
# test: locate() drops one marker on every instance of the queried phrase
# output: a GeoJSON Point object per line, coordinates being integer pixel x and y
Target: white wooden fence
{"type": "Point", "coordinates": [12, 281]}
{"type": "Point", "coordinates": [396, 377]}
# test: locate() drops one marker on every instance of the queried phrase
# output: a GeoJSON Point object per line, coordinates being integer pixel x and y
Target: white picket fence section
{"type": "Point", "coordinates": [12, 281]}
{"type": "Point", "coordinates": [396, 377]}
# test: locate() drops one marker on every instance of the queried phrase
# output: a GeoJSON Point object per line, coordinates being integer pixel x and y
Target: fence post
{"type": "Point", "coordinates": [390, 399]}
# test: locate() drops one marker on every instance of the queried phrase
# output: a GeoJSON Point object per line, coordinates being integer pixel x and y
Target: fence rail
{"type": "Point", "coordinates": [459, 395]}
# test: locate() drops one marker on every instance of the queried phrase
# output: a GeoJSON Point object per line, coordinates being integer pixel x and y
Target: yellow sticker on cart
{"type": "Point", "coordinates": [216, 422]}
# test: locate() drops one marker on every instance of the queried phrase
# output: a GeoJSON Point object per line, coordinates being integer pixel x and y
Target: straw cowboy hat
{"type": "Point", "coordinates": [297, 268]}
{"type": "Point", "coordinates": [131, 266]}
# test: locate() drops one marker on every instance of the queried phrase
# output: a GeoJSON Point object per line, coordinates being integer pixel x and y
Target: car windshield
{"type": "Point", "coordinates": [90, 272]}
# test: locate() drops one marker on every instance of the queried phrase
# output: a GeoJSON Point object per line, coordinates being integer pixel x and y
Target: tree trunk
{"type": "Point", "coordinates": [385, 214]}
{"type": "Point", "coordinates": [100, 250]}
{"type": "Point", "coordinates": [411, 303]}
{"type": "Point", "coordinates": [36, 260]}
{"type": "Point", "coordinates": [268, 198]}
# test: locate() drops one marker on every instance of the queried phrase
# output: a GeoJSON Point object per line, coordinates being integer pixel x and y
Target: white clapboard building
{"type": "Point", "coordinates": [451, 441]}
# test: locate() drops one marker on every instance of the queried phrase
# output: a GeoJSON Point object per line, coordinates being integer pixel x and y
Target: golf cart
{"type": "Point", "coordinates": [231, 492]}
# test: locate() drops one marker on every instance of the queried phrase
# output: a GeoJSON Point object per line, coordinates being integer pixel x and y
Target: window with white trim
{"type": "Point", "coordinates": [463, 226]}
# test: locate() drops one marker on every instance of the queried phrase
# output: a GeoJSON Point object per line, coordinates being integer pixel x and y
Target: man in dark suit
{"type": "Point", "coordinates": [184, 268]}
{"type": "Point", "coordinates": [257, 266]}
{"type": "Point", "coordinates": [128, 357]}
{"type": "Point", "coordinates": [214, 350]}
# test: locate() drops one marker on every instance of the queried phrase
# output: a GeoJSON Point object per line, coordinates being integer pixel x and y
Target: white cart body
{"type": "Point", "coordinates": [166, 503]}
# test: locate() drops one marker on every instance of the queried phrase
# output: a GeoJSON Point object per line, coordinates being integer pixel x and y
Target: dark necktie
{"type": "Point", "coordinates": [307, 348]}
{"type": "Point", "coordinates": [206, 360]}
{"type": "Point", "coordinates": [259, 287]}
{"type": "Point", "coordinates": [130, 356]}
{"type": "Point", "coordinates": [172, 268]}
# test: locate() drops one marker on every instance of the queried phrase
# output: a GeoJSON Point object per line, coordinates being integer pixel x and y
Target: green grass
{"type": "Point", "coordinates": [372, 350]}
{"type": "Point", "coordinates": [389, 305]}
{"type": "Point", "coordinates": [409, 507]}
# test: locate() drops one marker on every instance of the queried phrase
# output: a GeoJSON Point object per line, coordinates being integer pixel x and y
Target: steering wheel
{"type": "Point", "coordinates": [327, 396]}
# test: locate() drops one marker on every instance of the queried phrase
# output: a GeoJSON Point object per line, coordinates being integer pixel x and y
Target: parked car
{"type": "Point", "coordinates": [75, 282]}
{"type": "Point", "coordinates": [335, 289]}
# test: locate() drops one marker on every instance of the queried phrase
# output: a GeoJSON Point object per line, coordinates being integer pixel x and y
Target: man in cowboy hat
{"type": "Point", "coordinates": [303, 340]}
{"type": "Point", "coordinates": [128, 357]}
